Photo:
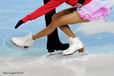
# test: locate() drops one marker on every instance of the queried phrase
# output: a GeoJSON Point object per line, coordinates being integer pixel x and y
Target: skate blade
{"type": "Point", "coordinates": [24, 47]}
{"type": "Point", "coordinates": [53, 54]}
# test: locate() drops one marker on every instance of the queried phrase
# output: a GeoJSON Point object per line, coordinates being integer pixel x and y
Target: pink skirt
{"type": "Point", "coordinates": [95, 10]}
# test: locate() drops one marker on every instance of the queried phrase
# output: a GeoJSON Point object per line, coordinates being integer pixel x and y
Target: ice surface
{"type": "Point", "coordinates": [88, 65]}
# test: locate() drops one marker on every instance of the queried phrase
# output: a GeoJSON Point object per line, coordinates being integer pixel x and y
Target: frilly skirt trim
{"type": "Point", "coordinates": [95, 10]}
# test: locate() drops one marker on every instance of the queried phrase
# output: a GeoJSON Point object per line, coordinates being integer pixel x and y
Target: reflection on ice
{"type": "Point", "coordinates": [46, 59]}
{"type": "Point", "coordinates": [7, 40]}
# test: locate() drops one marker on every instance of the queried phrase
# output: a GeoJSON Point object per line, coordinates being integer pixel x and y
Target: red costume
{"type": "Point", "coordinates": [48, 7]}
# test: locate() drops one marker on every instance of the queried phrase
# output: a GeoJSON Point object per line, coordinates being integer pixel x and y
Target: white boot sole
{"type": "Point", "coordinates": [19, 46]}
{"type": "Point", "coordinates": [79, 50]}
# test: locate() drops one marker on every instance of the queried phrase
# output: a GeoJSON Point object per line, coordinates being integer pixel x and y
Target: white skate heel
{"type": "Point", "coordinates": [76, 45]}
{"type": "Point", "coordinates": [25, 41]}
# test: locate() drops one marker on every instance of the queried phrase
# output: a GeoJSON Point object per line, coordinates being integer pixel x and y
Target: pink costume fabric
{"type": "Point", "coordinates": [95, 10]}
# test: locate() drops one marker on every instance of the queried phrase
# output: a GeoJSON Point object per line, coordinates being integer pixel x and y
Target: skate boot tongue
{"type": "Point", "coordinates": [74, 40]}
{"type": "Point", "coordinates": [28, 36]}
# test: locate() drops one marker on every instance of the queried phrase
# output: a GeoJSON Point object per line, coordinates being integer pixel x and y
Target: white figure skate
{"type": "Point", "coordinates": [25, 41]}
{"type": "Point", "coordinates": [76, 45]}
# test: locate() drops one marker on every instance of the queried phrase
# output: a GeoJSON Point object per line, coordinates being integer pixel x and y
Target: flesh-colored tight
{"type": "Point", "coordinates": [61, 20]}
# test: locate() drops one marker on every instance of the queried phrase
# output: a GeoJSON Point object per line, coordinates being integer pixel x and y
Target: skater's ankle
{"type": "Point", "coordinates": [33, 37]}
{"type": "Point", "coordinates": [73, 37]}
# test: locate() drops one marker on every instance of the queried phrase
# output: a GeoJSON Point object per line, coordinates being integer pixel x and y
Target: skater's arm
{"type": "Point", "coordinates": [43, 10]}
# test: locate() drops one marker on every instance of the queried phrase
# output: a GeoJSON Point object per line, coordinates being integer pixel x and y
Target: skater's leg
{"type": "Point", "coordinates": [63, 12]}
{"type": "Point", "coordinates": [61, 21]}
{"type": "Point", "coordinates": [66, 29]}
{"type": "Point", "coordinates": [71, 18]}
{"type": "Point", "coordinates": [54, 35]}
{"type": "Point", "coordinates": [53, 42]}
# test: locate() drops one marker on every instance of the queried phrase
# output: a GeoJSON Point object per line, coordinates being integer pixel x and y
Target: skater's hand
{"type": "Point", "coordinates": [78, 5]}
{"type": "Point", "coordinates": [19, 24]}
